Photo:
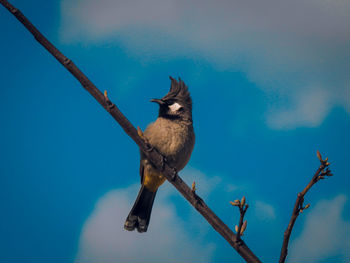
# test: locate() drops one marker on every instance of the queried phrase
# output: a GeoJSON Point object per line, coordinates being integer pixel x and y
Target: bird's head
{"type": "Point", "coordinates": [177, 104]}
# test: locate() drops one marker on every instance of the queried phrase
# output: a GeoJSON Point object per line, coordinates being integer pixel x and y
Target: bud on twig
{"type": "Point", "coordinates": [234, 203]}
{"type": "Point", "coordinates": [139, 132]}
{"type": "Point", "coordinates": [193, 186]}
{"type": "Point", "coordinates": [242, 201]}
{"type": "Point", "coordinates": [319, 156]}
{"type": "Point", "coordinates": [244, 226]}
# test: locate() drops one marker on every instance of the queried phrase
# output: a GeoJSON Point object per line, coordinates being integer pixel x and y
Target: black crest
{"type": "Point", "coordinates": [179, 91]}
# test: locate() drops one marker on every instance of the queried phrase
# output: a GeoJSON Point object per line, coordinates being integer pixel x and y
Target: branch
{"type": "Point", "coordinates": [242, 206]}
{"type": "Point", "coordinates": [152, 154]}
{"type": "Point", "coordinates": [320, 174]}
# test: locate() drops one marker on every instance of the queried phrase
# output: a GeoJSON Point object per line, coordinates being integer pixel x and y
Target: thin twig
{"type": "Point", "coordinates": [242, 206]}
{"type": "Point", "coordinates": [152, 154]}
{"type": "Point", "coordinates": [298, 206]}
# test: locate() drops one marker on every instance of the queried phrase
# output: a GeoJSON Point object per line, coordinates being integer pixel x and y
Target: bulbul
{"type": "Point", "coordinates": [173, 136]}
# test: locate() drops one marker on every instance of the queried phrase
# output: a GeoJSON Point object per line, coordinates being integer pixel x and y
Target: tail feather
{"type": "Point", "coordinates": [140, 213]}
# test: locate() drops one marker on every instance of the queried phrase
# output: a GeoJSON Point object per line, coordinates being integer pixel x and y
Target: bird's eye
{"type": "Point", "coordinates": [170, 102]}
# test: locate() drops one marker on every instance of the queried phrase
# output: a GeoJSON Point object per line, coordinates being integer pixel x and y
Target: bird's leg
{"type": "Point", "coordinates": [173, 170]}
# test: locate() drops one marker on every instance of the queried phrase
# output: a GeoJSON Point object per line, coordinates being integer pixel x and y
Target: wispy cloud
{"type": "Point", "coordinates": [308, 109]}
{"type": "Point", "coordinates": [104, 240]}
{"type": "Point", "coordinates": [264, 211]}
{"type": "Point", "coordinates": [326, 234]}
{"type": "Point", "coordinates": [297, 51]}
{"type": "Point", "coordinates": [205, 184]}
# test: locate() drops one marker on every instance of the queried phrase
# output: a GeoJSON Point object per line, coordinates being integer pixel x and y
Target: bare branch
{"type": "Point", "coordinates": [320, 174]}
{"type": "Point", "coordinates": [152, 154]}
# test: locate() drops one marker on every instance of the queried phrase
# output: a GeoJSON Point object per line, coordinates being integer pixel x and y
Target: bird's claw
{"type": "Point", "coordinates": [149, 148]}
{"type": "Point", "coordinates": [174, 174]}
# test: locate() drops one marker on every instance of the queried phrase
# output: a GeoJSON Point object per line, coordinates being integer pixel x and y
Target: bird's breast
{"type": "Point", "coordinates": [175, 140]}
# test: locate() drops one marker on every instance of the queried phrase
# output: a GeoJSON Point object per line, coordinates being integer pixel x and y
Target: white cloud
{"type": "Point", "coordinates": [231, 188]}
{"type": "Point", "coordinates": [308, 109]}
{"type": "Point", "coordinates": [104, 240]}
{"type": "Point", "coordinates": [264, 211]}
{"type": "Point", "coordinates": [204, 184]}
{"type": "Point", "coordinates": [298, 50]}
{"type": "Point", "coordinates": [326, 234]}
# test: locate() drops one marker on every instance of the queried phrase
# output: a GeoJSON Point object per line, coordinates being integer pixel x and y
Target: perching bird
{"type": "Point", "coordinates": [173, 136]}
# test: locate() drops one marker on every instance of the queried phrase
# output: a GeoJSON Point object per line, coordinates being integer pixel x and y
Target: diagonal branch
{"type": "Point", "coordinates": [152, 154]}
{"type": "Point", "coordinates": [298, 206]}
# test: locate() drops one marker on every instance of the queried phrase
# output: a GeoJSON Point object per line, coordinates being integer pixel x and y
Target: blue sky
{"type": "Point", "coordinates": [270, 86]}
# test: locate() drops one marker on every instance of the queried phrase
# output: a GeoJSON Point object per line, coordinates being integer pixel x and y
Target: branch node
{"type": "Point", "coordinates": [14, 10]}
{"type": "Point", "coordinates": [193, 189]}
{"type": "Point", "coordinates": [110, 105]}
{"type": "Point", "coordinates": [67, 61]}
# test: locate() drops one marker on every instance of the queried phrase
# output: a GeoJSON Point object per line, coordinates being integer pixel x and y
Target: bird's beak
{"type": "Point", "coordinates": [159, 101]}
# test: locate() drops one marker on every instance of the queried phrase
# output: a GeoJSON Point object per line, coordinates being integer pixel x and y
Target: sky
{"type": "Point", "coordinates": [270, 86]}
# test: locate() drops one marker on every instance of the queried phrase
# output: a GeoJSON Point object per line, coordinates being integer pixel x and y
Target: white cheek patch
{"type": "Point", "coordinates": [175, 107]}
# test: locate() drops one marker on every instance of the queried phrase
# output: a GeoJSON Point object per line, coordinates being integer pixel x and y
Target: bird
{"type": "Point", "coordinates": [172, 134]}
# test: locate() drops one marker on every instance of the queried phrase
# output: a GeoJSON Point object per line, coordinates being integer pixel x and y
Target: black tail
{"type": "Point", "coordinates": [140, 213]}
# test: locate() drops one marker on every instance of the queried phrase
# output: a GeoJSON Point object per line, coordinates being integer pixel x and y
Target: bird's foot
{"type": "Point", "coordinates": [163, 161]}
{"type": "Point", "coordinates": [174, 174]}
{"type": "Point", "coordinates": [150, 148]}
